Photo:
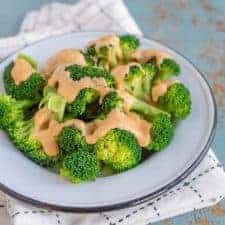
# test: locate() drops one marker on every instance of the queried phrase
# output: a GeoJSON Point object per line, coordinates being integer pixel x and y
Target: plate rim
{"type": "Point", "coordinates": [135, 201]}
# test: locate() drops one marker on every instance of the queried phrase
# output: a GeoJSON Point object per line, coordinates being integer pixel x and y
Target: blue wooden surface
{"type": "Point", "coordinates": [195, 28]}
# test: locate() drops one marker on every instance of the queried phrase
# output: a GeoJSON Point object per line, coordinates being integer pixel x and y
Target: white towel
{"type": "Point", "coordinates": [204, 187]}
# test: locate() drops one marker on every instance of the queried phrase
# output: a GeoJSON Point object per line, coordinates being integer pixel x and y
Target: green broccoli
{"type": "Point", "coordinates": [113, 100]}
{"type": "Point", "coordinates": [167, 68]}
{"type": "Point", "coordinates": [80, 166]}
{"type": "Point", "coordinates": [109, 56]}
{"type": "Point", "coordinates": [176, 100]}
{"type": "Point", "coordinates": [77, 72]}
{"type": "Point", "coordinates": [162, 127]}
{"type": "Point", "coordinates": [29, 89]}
{"type": "Point", "coordinates": [84, 106]}
{"type": "Point", "coordinates": [20, 135]}
{"type": "Point", "coordinates": [118, 149]}
{"type": "Point", "coordinates": [19, 130]}
{"type": "Point", "coordinates": [110, 101]}
{"type": "Point", "coordinates": [54, 102]}
{"type": "Point", "coordinates": [11, 111]}
{"type": "Point", "coordinates": [161, 132]}
{"type": "Point", "coordinates": [70, 140]}
{"type": "Point", "coordinates": [90, 51]}
{"type": "Point", "coordinates": [138, 81]}
{"type": "Point", "coordinates": [88, 58]}
{"type": "Point", "coordinates": [128, 44]}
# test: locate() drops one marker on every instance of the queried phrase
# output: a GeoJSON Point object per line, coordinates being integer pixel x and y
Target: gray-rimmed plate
{"type": "Point", "coordinates": [23, 179]}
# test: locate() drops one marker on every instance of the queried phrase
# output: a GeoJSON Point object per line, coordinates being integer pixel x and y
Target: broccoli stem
{"type": "Point", "coordinates": [148, 112]}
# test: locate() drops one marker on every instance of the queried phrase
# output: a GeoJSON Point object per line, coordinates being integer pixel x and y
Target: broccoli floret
{"type": "Point", "coordinates": [19, 130]}
{"type": "Point", "coordinates": [20, 135]}
{"type": "Point", "coordinates": [85, 105]}
{"type": "Point", "coordinates": [90, 51]}
{"type": "Point", "coordinates": [162, 128]}
{"type": "Point", "coordinates": [11, 111]}
{"type": "Point", "coordinates": [138, 81]}
{"type": "Point", "coordinates": [88, 58]}
{"type": "Point", "coordinates": [107, 56]}
{"type": "Point", "coordinates": [114, 101]}
{"type": "Point", "coordinates": [77, 72]}
{"type": "Point", "coordinates": [168, 68]}
{"type": "Point", "coordinates": [70, 140]}
{"type": "Point", "coordinates": [80, 166]}
{"type": "Point", "coordinates": [128, 44]}
{"type": "Point", "coordinates": [161, 132]}
{"type": "Point", "coordinates": [29, 89]}
{"type": "Point", "coordinates": [54, 102]}
{"type": "Point", "coordinates": [111, 101]}
{"type": "Point", "coordinates": [177, 101]}
{"type": "Point", "coordinates": [118, 149]}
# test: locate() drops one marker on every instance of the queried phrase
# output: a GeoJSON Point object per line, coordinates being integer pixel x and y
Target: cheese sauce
{"type": "Point", "coordinates": [160, 88]}
{"type": "Point", "coordinates": [107, 40]}
{"type": "Point", "coordinates": [69, 88]}
{"type": "Point", "coordinates": [144, 55]}
{"type": "Point", "coordinates": [21, 71]}
{"type": "Point", "coordinates": [116, 119]}
{"type": "Point", "coordinates": [119, 74]}
{"type": "Point", "coordinates": [47, 129]}
{"type": "Point", "coordinates": [120, 71]}
{"type": "Point", "coordinates": [69, 56]}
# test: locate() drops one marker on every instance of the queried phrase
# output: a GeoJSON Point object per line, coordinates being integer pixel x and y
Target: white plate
{"type": "Point", "coordinates": [27, 181]}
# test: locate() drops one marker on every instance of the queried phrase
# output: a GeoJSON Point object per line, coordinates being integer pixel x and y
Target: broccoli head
{"type": "Point", "coordinates": [161, 132]}
{"type": "Point", "coordinates": [88, 58]}
{"type": "Point", "coordinates": [168, 68]}
{"type": "Point", "coordinates": [128, 44]}
{"type": "Point", "coordinates": [110, 55]}
{"type": "Point", "coordinates": [111, 101]}
{"type": "Point", "coordinates": [176, 100]}
{"type": "Point", "coordinates": [70, 140]}
{"type": "Point", "coordinates": [77, 72]}
{"type": "Point", "coordinates": [138, 81]}
{"type": "Point", "coordinates": [84, 106]}
{"type": "Point", "coordinates": [90, 51]}
{"type": "Point", "coordinates": [11, 111]}
{"type": "Point", "coordinates": [162, 129]}
{"type": "Point", "coordinates": [106, 57]}
{"type": "Point", "coordinates": [28, 89]}
{"type": "Point", "coordinates": [54, 102]}
{"type": "Point", "coordinates": [21, 136]}
{"type": "Point", "coordinates": [118, 149]}
{"type": "Point", "coordinates": [80, 166]}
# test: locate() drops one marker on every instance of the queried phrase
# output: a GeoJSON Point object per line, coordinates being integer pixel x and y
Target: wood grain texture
{"type": "Point", "coordinates": [196, 28]}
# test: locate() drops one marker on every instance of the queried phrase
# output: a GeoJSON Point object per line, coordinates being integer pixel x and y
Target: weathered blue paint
{"type": "Point", "coordinates": [196, 28]}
